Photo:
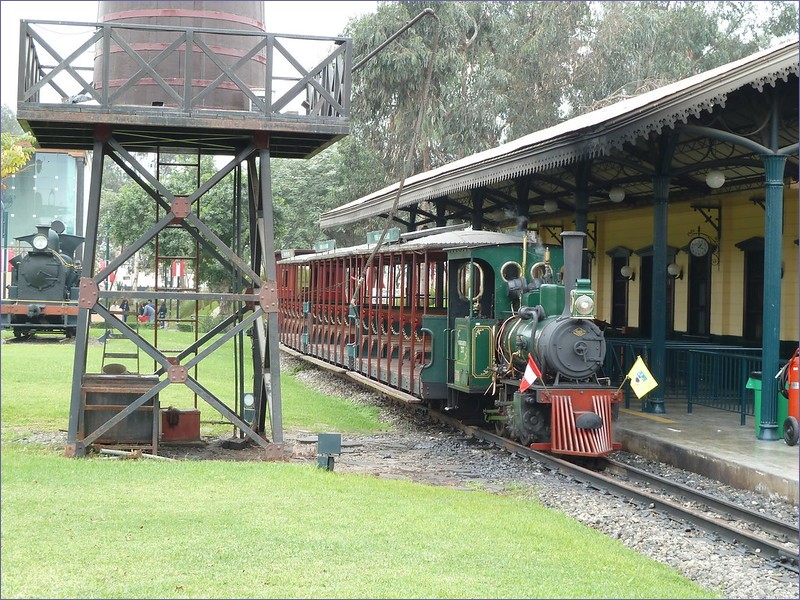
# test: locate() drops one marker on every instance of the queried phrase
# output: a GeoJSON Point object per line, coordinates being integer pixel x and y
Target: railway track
{"type": "Point", "coordinates": [714, 517]}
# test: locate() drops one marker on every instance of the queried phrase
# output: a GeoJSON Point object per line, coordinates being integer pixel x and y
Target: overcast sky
{"type": "Point", "coordinates": [282, 16]}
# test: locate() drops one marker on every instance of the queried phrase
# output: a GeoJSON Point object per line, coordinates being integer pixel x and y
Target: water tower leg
{"type": "Point", "coordinates": [75, 447]}
{"type": "Point", "coordinates": [269, 378]}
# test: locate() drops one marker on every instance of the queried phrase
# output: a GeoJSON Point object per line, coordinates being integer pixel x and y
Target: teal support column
{"type": "Point", "coordinates": [523, 186]}
{"type": "Point", "coordinates": [477, 210]}
{"type": "Point", "coordinates": [771, 337]}
{"type": "Point", "coordinates": [658, 353]}
{"type": "Point", "coordinates": [441, 215]}
{"type": "Point", "coordinates": [582, 210]}
{"type": "Point", "coordinates": [581, 220]}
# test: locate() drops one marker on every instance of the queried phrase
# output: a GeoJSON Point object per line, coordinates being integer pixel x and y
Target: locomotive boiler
{"type": "Point", "coordinates": [43, 294]}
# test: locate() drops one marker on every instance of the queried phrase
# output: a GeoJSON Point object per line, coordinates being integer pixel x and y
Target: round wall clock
{"type": "Point", "coordinates": [699, 246]}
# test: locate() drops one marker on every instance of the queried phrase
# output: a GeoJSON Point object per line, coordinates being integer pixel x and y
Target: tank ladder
{"type": "Point", "coordinates": [118, 350]}
{"type": "Point", "coordinates": [172, 267]}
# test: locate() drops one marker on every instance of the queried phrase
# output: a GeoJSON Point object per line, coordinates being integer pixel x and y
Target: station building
{"type": "Point", "coordinates": [689, 198]}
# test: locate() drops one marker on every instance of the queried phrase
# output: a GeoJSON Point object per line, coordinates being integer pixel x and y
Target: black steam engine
{"type": "Point", "coordinates": [568, 408]}
{"type": "Point", "coordinates": [43, 294]}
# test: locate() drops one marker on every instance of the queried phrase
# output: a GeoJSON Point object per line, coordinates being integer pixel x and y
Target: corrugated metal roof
{"type": "Point", "coordinates": [465, 238]}
{"type": "Point", "coordinates": [586, 136]}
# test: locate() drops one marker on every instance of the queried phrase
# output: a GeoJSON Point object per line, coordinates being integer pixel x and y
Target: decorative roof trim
{"type": "Point", "coordinates": [587, 136]}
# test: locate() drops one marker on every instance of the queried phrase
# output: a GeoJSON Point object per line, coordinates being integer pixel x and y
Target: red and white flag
{"type": "Point", "coordinates": [179, 268]}
{"type": "Point", "coordinates": [532, 373]}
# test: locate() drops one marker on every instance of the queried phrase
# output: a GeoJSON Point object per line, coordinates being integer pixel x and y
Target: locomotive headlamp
{"type": "Point", "coordinates": [583, 306]}
{"type": "Point", "coordinates": [582, 300]}
{"type": "Point", "coordinates": [39, 241]}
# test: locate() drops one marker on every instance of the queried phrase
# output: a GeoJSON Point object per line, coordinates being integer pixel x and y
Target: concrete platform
{"type": "Point", "coordinates": [712, 443]}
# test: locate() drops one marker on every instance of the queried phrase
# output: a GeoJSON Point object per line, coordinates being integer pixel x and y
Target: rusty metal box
{"type": "Point", "coordinates": [180, 425]}
{"type": "Point", "coordinates": [103, 396]}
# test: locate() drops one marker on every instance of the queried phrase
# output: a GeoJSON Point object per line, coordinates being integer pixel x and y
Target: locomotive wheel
{"type": "Point", "coordinates": [791, 433]}
{"type": "Point", "coordinates": [22, 333]}
{"type": "Point", "coordinates": [535, 425]}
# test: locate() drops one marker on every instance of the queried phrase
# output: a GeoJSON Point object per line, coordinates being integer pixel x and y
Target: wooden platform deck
{"type": "Point", "coordinates": [213, 89]}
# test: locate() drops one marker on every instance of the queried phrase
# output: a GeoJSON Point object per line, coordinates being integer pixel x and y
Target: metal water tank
{"type": "Point", "coordinates": [149, 43]}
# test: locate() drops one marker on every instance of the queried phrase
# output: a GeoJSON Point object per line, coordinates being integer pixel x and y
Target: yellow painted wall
{"type": "Point", "coordinates": [740, 219]}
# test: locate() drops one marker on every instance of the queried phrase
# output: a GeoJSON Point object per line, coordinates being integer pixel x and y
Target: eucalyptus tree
{"type": "Point", "coordinates": [461, 109]}
{"type": "Point", "coordinates": [506, 69]}
{"type": "Point", "coordinates": [633, 47]}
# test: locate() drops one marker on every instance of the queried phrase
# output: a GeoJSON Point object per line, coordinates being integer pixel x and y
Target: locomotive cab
{"type": "Point", "coordinates": [478, 303]}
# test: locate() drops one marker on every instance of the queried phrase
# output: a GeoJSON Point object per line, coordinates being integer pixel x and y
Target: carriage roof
{"type": "Point", "coordinates": [437, 240]}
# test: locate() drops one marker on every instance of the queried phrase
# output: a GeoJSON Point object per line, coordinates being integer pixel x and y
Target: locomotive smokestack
{"type": "Point", "coordinates": [572, 241]}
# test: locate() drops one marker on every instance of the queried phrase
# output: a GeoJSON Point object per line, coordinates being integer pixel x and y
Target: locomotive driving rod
{"type": "Point", "coordinates": [393, 37]}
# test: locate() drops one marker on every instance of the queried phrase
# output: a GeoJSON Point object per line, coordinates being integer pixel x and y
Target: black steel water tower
{"type": "Point", "coordinates": [185, 79]}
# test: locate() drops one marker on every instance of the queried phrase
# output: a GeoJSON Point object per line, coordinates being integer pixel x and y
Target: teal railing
{"type": "Point", "coordinates": [706, 374]}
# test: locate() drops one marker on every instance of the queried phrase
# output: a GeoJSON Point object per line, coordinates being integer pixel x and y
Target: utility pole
{"type": "Point", "coordinates": [6, 200]}
{"type": "Point", "coordinates": [108, 233]}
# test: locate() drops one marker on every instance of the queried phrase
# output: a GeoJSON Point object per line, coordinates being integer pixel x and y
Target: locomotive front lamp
{"type": "Point", "coordinates": [616, 194]}
{"type": "Point", "coordinates": [715, 179]}
{"type": "Point", "coordinates": [39, 241]}
{"type": "Point", "coordinates": [582, 300]}
{"type": "Point", "coordinates": [583, 306]}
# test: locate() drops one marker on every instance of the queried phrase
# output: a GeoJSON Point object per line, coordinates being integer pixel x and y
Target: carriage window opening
{"type": "Point", "coordinates": [303, 277]}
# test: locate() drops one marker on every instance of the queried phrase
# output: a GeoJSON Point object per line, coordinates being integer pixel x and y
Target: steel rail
{"type": "Point", "coordinates": [763, 546]}
{"type": "Point", "coordinates": [781, 529]}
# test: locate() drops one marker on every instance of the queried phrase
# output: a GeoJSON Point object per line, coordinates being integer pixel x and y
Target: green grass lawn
{"type": "Point", "coordinates": [37, 380]}
{"type": "Point", "coordinates": [151, 529]}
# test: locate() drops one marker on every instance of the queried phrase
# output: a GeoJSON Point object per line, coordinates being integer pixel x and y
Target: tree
{"type": "Point", "coordinates": [9, 122]}
{"type": "Point", "coordinates": [16, 152]}
{"type": "Point", "coordinates": [304, 189]}
{"type": "Point", "coordinates": [633, 47]}
{"type": "Point", "coordinates": [462, 106]}
{"type": "Point", "coordinates": [506, 69]}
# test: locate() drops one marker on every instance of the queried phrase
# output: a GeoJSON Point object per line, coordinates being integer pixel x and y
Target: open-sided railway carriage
{"type": "Point", "coordinates": [451, 318]}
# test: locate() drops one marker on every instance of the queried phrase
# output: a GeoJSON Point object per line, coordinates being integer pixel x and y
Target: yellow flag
{"type": "Point", "coordinates": [641, 379]}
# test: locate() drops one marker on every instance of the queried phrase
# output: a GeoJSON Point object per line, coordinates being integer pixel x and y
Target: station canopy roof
{"type": "Point", "coordinates": [619, 143]}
